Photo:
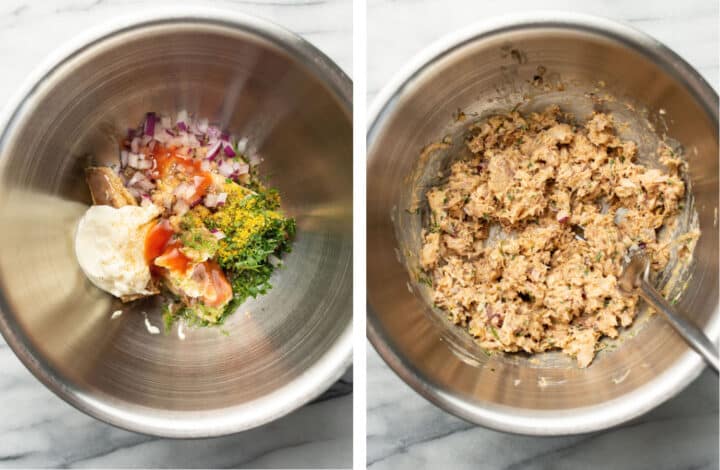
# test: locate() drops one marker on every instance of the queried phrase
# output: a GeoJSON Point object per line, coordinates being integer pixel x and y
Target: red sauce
{"type": "Point", "coordinates": [219, 290]}
{"type": "Point", "coordinates": [170, 163]}
{"type": "Point", "coordinates": [173, 259]}
{"type": "Point", "coordinates": [156, 240]}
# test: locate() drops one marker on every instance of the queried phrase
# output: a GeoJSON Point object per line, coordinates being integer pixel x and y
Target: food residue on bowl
{"type": "Point", "coordinates": [182, 214]}
{"type": "Point", "coordinates": [525, 240]}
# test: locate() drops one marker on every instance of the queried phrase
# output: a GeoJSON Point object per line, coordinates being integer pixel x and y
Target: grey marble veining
{"type": "Point", "coordinates": [37, 429]}
{"type": "Point", "coordinates": [404, 431]}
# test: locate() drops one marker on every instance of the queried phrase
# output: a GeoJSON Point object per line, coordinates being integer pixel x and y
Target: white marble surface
{"type": "Point", "coordinates": [37, 429]}
{"type": "Point", "coordinates": [404, 430]}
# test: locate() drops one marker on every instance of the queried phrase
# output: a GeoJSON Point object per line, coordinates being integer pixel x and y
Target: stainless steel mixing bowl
{"type": "Point", "coordinates": [256, 80]}
{"type": "Point", "coordinates": [535, 60]}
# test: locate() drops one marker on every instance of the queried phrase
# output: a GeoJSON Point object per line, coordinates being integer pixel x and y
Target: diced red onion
{"type": "Point", "coordinates": [192, 141]}
{"type": "Point", "coordinates": [135, 145]}
{"type": "Point", "coordinates": [205, 165]}
{"type": "Point", "coordinates": [150, 124]}
{"type": "Point", "coordinates": [202, 125]}
{"type": "Point", "coordinates": [181, 207]}
{"type": "Point", "coordinates": [225, 137]}
{"type": "Point", "coordinates": [218, 234]}
{"type": "Point", "coordinates": [145, 140]}
{"type": "Point", "coordinates": [131, 133]}
{"type": "Point", "coordinates": [210, 200]}
{"type": "Point", "coordinates": [221, 198]}
{"type": "Point", "coordinates": [144, 164]}
{"type": "Point", "coordinates": [165, 121]}
{"type": "Point", "coordinates": [225, 168]}
{"type": "Point", "coordinates": [197, 180]}
{"type": "Point", "coordinates": [254, 160]}
{"type": "Point", "coordinates": [143, 184]}
{"type": "Point", "coordinates": [134, 192]}
{"type": "Point", "coordinates": [170, 132]}
{"type": "Point", "coordinates": [123, 158]}
{"type": "Point", "coordinates": [213, 132]}
{"type": "Point", "coordinates": [182, 126]}
{"type": "Point", "coordinates": [136, 178]}
{"type": "Point", "coordinates": [184, 191]}
{"type": "Point", "coordinates": [213, 150]}
{"type": "Point", "coordinates": [182, 116]}
{"type": "Point", "coordinates": [241, 168]}
{"type": "Point", "coordinates": [227, 148]}
{"type": "Point", "coordinates": [133, 160]}
{"type": "Point", "coordinates": [563, 217]}
{"type": "Point", "coordinates": [242, 145]}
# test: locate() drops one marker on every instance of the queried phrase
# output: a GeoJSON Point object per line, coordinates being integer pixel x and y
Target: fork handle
{"type": "Point", "coordinates": [693, 335]}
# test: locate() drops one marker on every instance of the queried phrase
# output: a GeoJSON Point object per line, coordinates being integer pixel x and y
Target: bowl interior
{"type": "Point", "coordinates": [277, 351]}
{"type": "Point", "coordinates": [533, 66]}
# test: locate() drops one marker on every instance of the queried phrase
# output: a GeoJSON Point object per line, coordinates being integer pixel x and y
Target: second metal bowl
{"type": "Point", "coordinates": [537, 59]}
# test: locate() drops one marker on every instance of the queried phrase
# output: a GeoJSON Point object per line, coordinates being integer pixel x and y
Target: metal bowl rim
{"type": "Point", "coordinates": [336, 359]}
{"type": "Point", "coordinates": [517, 420]}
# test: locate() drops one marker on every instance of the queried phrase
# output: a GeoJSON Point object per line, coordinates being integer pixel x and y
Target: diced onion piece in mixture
{"type": "Point", "coordinates": [217, 234]}
{"type": "Point", "coordinates": [214, 200]}
{"type": "Point", "coordinates": [213, 133]}
{"type": "Point", "coordinates": [182, 119]}
{"type": "Point", "coordinates": [227, 148]}
{"type": "Point", "coordinates": [181, 207]}
{"type": "Point", "coordinates": [240, 168]}
{"type": "Point", "coordinates": [242, 145]}
{"type": "Point", "coordinates": [213, 151]}
{"type": "Point", "coordinates": [202, 125]}
{"type": "Point", "coordinates": [254, 160]}
{"type": "Point", "coordinates": [149, 128]}
{"type": "Point", "coordinates": [225, 168]}
{"type": "Point", "coordinates": [563, 217]}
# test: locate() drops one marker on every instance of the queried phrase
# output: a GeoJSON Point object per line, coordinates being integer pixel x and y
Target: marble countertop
{"type": "Point", "coordinates": [406, 431]}
{"type": "Point", "coordinates": [37, 429]}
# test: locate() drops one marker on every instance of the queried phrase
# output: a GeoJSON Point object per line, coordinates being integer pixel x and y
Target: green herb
{"type": "Point", "coordinates": [425, 280]}
{"type": "Point", "coordinates": [612, 161]}
{"type": "Point", "coordinates": [598, 256]}
{"type": "Point", "coordinates": [607, 302]}
{"type": "Point", "coordinates": [510, 196]}
{"type": "Point", "coordinates": [228, 180]}
{"type": "Point", "coordinates": [587, 271]}
{"type": "Point", "coordinates": [519, 141]}
{"type": "Point", "coordinates": [494, 333]}
{"type": "Point", "coordinates": [167, 318]}
{"type": "Point", "coordinates": [622, 159]}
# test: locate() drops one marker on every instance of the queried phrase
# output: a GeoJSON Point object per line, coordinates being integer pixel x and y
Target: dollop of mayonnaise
{"type": "Point", "coordinates": [110, 248]}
